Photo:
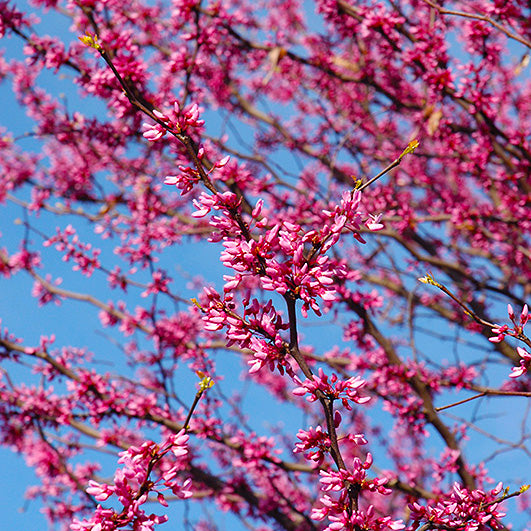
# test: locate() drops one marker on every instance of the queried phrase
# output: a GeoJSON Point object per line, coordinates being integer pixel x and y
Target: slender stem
{"type": "Point", "coordinates": [393, 164]}
{"type": "Point", "coordinates": [327, 402]}
{"type": "Point", "coordinates": [460, 402]}
{"type": "Point", "coordinates": [197, 397]}
{"type": "Point", "coordinates": [484, 18]}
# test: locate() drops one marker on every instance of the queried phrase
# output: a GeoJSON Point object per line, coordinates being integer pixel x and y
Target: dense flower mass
{"type": "Point", "coordinates": [461, 509]}
{"type": "Point", "coordinates": [248, 193]}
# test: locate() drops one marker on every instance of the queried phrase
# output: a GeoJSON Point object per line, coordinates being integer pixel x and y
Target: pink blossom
{"type": "Point", "coordinates": [525, 363]}
{"type": "Point", "coordinates": [345, 390]}
{"type": "Point", "coordinates": [100, 491]}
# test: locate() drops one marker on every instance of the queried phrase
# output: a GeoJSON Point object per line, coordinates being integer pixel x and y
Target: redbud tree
{"type": "Point", "coordinates": [303, 230]}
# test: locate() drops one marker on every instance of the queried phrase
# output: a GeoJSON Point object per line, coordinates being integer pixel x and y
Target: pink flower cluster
{"type": "Point", "coordinates": [287, 258]}
{"type": "Point", "coordinates": [44, 295]}
{"type": "Point", "coordinates": [175, 121]}
{"type": "Point", "coordinates": [337, 508]}
{"type": "Point", "coordinates": [345, 390]}
{"type": "Point", "coordinates": [518, 328]}
{"type": "Point", "coordinates": [525, 363]}
{"type": "Point", "coordinates": [462, 509]}
{"type": "Point", "coordinates": [189, 177]}
{"type": "Point", "coordinates": [133, 484]}
{"type": "Point", "coordinates": [259, 330]}
{"type": "Point", "coordinates": [10, 18]}
{"type": "Point", "coordinates": [85, 258]}
{"type": "Point", "coordinates": [516, 331]}
{"type": "Point", "coordinates": [316, 442]}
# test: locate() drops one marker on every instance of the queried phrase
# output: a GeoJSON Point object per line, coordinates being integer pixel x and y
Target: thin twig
{"type": "Point", "coordinates": [484, 18]}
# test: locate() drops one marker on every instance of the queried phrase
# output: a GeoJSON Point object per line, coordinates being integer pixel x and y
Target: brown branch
{"type": "Point", "coordinates": [483, 18]}
{"type": "Point", "coordinates": [420, 389]}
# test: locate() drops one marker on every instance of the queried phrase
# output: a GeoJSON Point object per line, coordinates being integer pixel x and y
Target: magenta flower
{"type": "Point", "coordinates": [525, 363]}
{"type": "Point", "coordinates": [345, 390]}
